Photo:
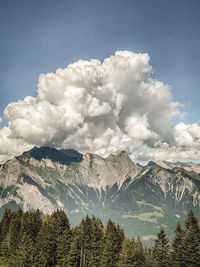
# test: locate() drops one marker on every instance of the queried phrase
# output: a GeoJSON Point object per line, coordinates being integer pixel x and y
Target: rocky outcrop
{"type": "Point", "coordinates": [106, 172]}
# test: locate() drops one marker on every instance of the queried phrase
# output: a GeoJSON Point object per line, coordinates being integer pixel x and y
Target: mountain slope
{"type": "Point", "coordinates": [139, 198]}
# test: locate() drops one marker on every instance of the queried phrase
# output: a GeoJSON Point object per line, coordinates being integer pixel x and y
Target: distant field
{"type": "Point", "coordinates": [150, 217]}
{"type": "Point", "coordinates": [143, 203]}
{"type": "Point", "coordinates": [149, 213]}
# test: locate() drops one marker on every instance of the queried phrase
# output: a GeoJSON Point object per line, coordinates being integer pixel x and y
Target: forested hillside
{"type": "Point", "coordinates": [33, 239]}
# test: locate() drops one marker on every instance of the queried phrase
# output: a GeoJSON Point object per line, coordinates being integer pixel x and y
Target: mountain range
{"type": "Point", "coordinates": [140, 199]}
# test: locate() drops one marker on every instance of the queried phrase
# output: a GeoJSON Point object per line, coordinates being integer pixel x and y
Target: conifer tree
{"type": "Point", "coordinates": [177, 247]}
{"type": "Point", "coordinates": [161, 249]}
{"type": "Point", "coordinates": [191, 242]}
{"type": "Point", "coordinates": [85, 241]}
{"type": "Point", "coordinates": [132, 253]}
{"type": "Point", "coordinates": [46, 244]}
{"type": "Point", "coordinates": [111, 245]}
{"type": "Point", "coordinates": [62, 236]}
{"type": "Point", "coordinates": [126, 254]}
{"type": "Point", "coordinates": [96, 242]}
{"type": "Point", "coordinates": [74, 253]}
{"type": "Point", "coordinates": [138, 253]}
{"type": "Point", "coordinates": [149, 258]}
{"type": "Point", "coordinates": [63, 248]}
{"type": "Point", "coordinates": [36, 218]}
{"type": "Point", "coordinates": [15, 231]}
{"type": "Point", "coordinates": [24, 252]}
{"type": "Point", "coordinates": [4, 233]}
{"type": "Point", "coordinates": [59, 222]}
{"type": "Point", "coordinates": [5, 224]}
{"type": "Point", "coordinates": [28, 226]}
{"type": "Point", "coordinates": [5, 247]}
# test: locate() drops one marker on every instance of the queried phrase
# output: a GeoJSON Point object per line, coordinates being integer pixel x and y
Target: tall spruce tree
{"type": "Point", "coordinates": [112, 244]}
{"type": "Point", "coordinates": [94, 255]}
{"type": "Point", "coordinates": [5, 234]}
{"type": "Point", "coordinates": [23, 255]}
{"type": "Point", "coordinates": [149, 257]}
{"type": "Point", "coordinates": [161, 249]}
{"type": "Point", "coordinates": [62, 236]}
{"type": "Point", "coordinates": [191, 242]}
{"type": "Point", "coordinates": [132, 253]}
{"type": "Point", "coordinates": [46, 244]}
{"type": "Point", "coordinates": [63, 248]}
{"type": "Point", "coordinates": [74, 253]}
{"type": "Point", "coordinates": [15, 231]}
{"type": "Point", "coordinates": [138, 254]}
{"type": "Point", "coordinates": [177, 247]}
{"type": "Point", "coordinates": [24, 252]}
{"type": "Point", "coordinates": [5, 224]}
{"type": "Point", "coordinates": [126, 254]}
{"type": "Point", "coordinates": [86, 235]}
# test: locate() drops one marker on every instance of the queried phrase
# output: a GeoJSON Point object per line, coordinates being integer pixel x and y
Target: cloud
{"type": "Point", "coordinates": [9, 146]}
{"type": "Point", "coordinates": [100, 107]}
{"type": "Point", "coordinates": [186, 146]}
{"type": "Point", "coordinates": [188, 135]}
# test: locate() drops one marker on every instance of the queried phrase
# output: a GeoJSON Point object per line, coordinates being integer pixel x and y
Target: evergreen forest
{"type": "Point", "coordinates": [33, 239]}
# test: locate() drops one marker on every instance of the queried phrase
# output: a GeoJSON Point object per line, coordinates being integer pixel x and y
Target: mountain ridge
{"type": "Point", "coordinates": [189, 166]}
{"type": "Point", "coordinates": [138, 198]}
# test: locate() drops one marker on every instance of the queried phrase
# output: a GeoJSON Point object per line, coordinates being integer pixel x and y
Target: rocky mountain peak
{"type": "Point", "coordinates": [102, 172]}
{"type": "Point", "coordinates": [121, 158]}
{"type": "Point", "coordinates": [91, 160]}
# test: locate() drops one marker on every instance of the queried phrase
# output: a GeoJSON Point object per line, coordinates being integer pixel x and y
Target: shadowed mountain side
{"type": "Point", "coordinates": [64, 156]}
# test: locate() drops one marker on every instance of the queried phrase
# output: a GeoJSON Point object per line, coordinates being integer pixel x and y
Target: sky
{"type": "Point", "coordinates": [140, 95]}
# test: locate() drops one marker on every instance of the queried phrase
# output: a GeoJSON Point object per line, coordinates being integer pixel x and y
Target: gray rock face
{"type": "Point", "coordinates": [139, 198]}
{"type": "Point", "coordinates": [102, 172]}
{"type": "Point", "coordinates": [35, 181]}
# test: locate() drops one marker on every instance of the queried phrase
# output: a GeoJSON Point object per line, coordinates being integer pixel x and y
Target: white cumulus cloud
{"type": "Point", "coordinates": [188, 135]}
{"type": "Point", "coordinates": [100, 107]}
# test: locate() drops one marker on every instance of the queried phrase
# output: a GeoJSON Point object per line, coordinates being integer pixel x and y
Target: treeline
{"type": "Point", "coordinates": [33, 239]}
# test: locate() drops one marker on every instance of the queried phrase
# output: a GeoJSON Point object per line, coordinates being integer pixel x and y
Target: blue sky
{"type": "Point", "coordinates": [41, 36]}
